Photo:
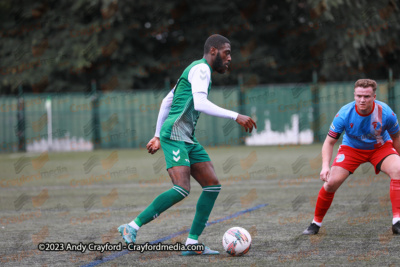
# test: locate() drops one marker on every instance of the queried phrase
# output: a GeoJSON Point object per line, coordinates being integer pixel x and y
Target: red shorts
{"type": "Point", "coordinates": [350, 158]}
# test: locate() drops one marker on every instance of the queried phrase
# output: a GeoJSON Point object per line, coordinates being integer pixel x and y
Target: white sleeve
{"type": "Point", "coordinates": [202, 104]}
{"type": "Point", "coordinates": [164, 111]}
{"type": "Point", "coordinates": [199, 77]}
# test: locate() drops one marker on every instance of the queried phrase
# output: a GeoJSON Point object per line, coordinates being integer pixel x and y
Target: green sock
{"type": "Point", "coordinates": [161, 204]}
{"type": "Point", "coordinates": [203, 209]}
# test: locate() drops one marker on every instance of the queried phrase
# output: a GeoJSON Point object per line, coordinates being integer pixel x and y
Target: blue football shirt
{"type": "Point", "coordinates": [364, 131]}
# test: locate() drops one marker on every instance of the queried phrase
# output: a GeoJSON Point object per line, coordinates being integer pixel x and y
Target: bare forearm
{"type": "Point", "coordinates": [327, 150]}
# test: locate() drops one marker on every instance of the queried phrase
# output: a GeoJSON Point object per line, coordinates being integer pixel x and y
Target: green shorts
{"type": "Point", "coordinates": [180, 153]}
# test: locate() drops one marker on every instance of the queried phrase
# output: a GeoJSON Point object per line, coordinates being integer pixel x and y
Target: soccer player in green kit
{"type": "Point", "coordinates": [184, 156]}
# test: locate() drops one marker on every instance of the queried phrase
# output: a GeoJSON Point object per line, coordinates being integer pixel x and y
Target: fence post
{"type": "Point", "coordinates": [241, 96]}
{"type": "Point", "coordinates": [49, 123]}
{"type": "Point", "coordinates": [95, 116]}
{"type": "Point", "coordinates": [315, 105]}
{"type": "Point", "coordinates": [391, 93]}
{"type": "Point", "coordinates": [21, 120]}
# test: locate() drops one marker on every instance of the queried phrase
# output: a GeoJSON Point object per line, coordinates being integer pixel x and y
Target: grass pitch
{"type": "Point", "coordinates": [84, 196]}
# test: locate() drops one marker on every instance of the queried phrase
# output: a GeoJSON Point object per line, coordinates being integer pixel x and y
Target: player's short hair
{"type": "Point", "coordinates": [364, 83]}
{"type": "Point", "coordinates": [216, 41]}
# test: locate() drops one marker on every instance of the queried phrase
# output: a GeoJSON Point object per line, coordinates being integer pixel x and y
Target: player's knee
{"type": "Point", "coordinates": [215, 182]}
{"type": "Point", "coordinates": [211, 184]}
{"type": "Point", "coordinates": [185, 186]}
{"type": "Point", "coordinates": [330, 187]}
{"type": "Point", "coordinates": [395, 174]}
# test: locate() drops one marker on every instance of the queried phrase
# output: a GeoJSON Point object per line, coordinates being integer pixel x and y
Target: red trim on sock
{"type": "Point", "coordinates": [395, 197]}
{"type": "Point", "coordinates": [324, 201]}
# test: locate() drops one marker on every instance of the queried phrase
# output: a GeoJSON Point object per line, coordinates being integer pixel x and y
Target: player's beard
{"type": "Point", "coordinates": [218, 65]}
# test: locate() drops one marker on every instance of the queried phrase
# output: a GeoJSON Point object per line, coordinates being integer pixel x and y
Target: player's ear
{"type": "Point", "coordinates": [213, 51]}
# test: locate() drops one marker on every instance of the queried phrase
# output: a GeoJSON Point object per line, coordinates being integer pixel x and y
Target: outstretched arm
{"type": "Point", "coordinates": [199, 77]}
{"type": "Point", "coordinates": [202, 104]}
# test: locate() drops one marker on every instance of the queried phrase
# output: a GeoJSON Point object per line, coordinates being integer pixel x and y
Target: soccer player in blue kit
{"type": "Point", "coordinates": [372, 135]}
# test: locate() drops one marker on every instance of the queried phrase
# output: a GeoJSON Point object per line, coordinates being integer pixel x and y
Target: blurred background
{"type": "Point", "coordinates": [86, 75]}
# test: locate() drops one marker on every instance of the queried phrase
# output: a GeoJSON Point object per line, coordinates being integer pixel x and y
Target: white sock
{"type": "Point", "coordinates": [317, 223]}
{"type": "Point", "coordinates": [190, 241]}
{"type": "Point", "coordinates": [395, 220]}
{"type": "Point", "coordinates": [134, 225]}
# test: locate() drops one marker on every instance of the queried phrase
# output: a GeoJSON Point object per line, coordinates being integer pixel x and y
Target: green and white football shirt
{"type": "Point", "coordinates": [182, 119]}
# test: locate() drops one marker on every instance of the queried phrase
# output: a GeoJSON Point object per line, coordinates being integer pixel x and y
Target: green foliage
{"type": "Point", "coordinates": [63, 45]}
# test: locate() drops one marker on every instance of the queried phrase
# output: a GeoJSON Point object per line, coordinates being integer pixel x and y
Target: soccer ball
{"type": "Point", "coordinates": [236, 241]}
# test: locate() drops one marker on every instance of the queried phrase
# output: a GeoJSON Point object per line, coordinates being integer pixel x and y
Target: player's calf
{"type": "Point", "coordinates": [395, 199]}
{"type": "Point", "coordinates": [159, 205]}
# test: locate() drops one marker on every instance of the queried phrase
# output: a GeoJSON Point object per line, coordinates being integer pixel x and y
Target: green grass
{"type": "Point", "coordinates": [356, 229]}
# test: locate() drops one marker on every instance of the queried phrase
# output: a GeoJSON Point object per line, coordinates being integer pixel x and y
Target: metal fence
{"type": "Point", "coordinates": [285, 114]}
